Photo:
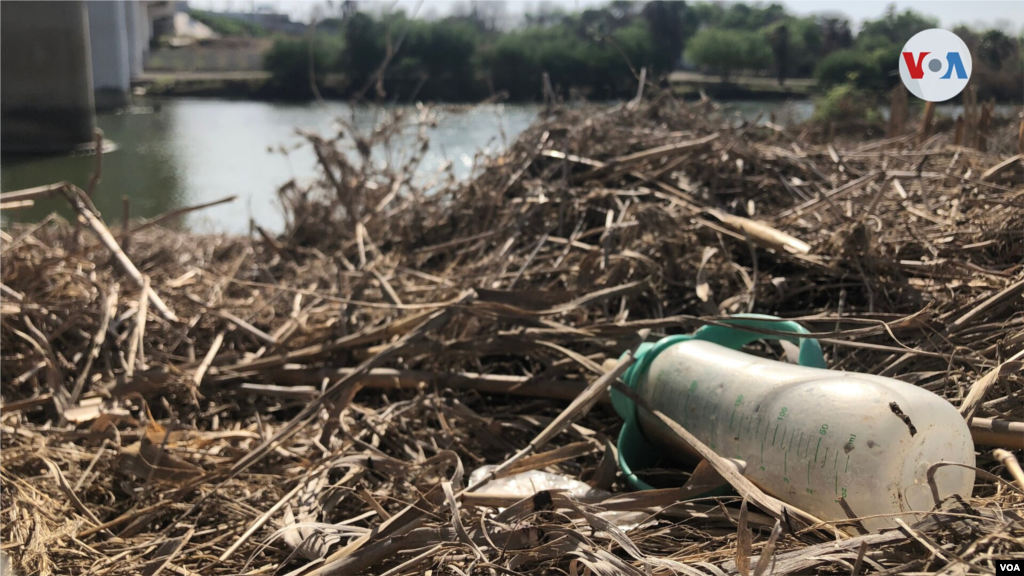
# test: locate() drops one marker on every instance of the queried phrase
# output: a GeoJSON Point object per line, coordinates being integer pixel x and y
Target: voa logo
{"type": "Point", "coordinates": [1009, 567]}
{"type": "Point", "coordinates": [935, 65]}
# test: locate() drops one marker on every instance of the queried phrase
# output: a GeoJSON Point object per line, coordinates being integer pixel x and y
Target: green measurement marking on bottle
{"type": "Point", "coordinates": [777, 433]}
{"type": "Point", "coordinates": [825, 459]}
{"type": "Point", "coordinates": [686, 407]}
{"type": "Point", "coordinates": [847, 464]}
{"type": "Point", "coordinates": [808, 472]}
{"type": "Point", "coordinates": [799, 442]}
{"type": "Point", "coordinates": [735, 406]}
{"type": "Point", "coordinates": [818, 447]}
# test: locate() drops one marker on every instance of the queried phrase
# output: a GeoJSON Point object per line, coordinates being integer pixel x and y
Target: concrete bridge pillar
{"type": "Point", "coordinates": [138, 37]}
{"type": "Point", "coordinates": [111, 64]}
{"type": "Point", "coordinates": [46, 99]}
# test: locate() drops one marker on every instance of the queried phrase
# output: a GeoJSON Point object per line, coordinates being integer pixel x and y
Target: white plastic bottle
{"type": "Point", "coordinates": [810, 436]}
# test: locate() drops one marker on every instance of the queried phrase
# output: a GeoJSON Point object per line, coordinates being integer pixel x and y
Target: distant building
{"type": "Point", "coordinates": [269, 21]}
{"type": "Point", "coordinates": [172, 22]}
{"type": "Point", "coordinates": [185, 28]}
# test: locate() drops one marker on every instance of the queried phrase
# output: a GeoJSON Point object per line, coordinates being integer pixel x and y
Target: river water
{"type": "Point", "coordinates": [192, 151]}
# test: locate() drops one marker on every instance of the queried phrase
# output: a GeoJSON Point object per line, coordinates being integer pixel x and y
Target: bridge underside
{"type": "Point", "coordinates": [46, 94]}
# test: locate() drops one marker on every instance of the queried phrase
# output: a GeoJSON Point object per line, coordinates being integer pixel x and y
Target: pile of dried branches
{"type": "Point", "coordinates": [313, 402]}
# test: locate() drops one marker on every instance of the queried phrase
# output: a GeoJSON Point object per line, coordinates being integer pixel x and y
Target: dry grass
{"type": "Point", "coordinates": [313, 402]}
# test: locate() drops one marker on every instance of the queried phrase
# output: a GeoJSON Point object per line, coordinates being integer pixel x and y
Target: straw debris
{"type": "Point", "coordinates": [313, 402]}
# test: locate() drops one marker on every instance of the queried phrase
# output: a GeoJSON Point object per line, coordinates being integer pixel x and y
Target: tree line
{"type": "Point", "coordinates": [598, 53]}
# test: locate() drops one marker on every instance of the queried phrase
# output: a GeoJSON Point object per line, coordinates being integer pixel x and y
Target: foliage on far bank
{"type": "Point", "coordinates": [854, 67]}
{"type": "Point", "coordinates": [726, 51]}
{"type": "Point", "coordinates": [599, 69]}
{"type": "Point", "coordinates": [289, 64]}
{"type": "Point", "coordinates": [597, 53]}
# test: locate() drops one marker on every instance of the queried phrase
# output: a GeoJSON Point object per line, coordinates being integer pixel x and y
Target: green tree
{"type": "Point", "coordinates": [665, 23]}
{"type": "Point", "coordinates": [887, 64]}
{"type": "Point", "coordinates": [364, 48]}
{"type": "Point", "coordinates": [779, 39]}
{"type": "Point", "coordinates": [835, 34]}
{"type": "Point", "coordinates": [288, 63]}
{"type": "Point", "coordinates": [855, 67]}
{"type": "Point", "coordinates": [709, 13]}
{"type": "Point", "coordinates": [437, 59]}
{"type": "Point", "coordinates": [517, 60]}
{"type": "Point", "coordinates": [726, 51]}
{"type": "Point", "coordinates": [893, 28]}
{"type": "Point", "coordinates": [640, 48]}
{"type": "Point", "coordinates": [804, 45]}
{"type": "Point", "coordinates": [738, 15]}
{"type": "Point", "coordinates": [995, 47]}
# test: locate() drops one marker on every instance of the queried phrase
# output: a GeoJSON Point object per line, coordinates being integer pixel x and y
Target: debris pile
{"type": "Point", "coordinates": [314, 402]}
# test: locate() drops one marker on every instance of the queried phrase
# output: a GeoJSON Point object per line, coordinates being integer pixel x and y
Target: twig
{"type": "Point", "coordinates": [259, 522]}
{"type": "Point", "coordinates": [97, 172]}
{"type": "Point", "coordinates": [79, 202]}
{"type": "Point", "coordinates": [1008, 460]}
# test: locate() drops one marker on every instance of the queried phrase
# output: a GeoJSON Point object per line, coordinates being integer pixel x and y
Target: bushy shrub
{"type": "Point", "coordinates": [887, 65]}
{"type": "Point", "coordinates": [288, 64]}
{"type": "Point", "coordinates": [598, 67]}
{"type": "Point", "coordinates": [519, 59]}
{"type": "Point", "coordinates": [893, 28]}
{"type": "Point", "coordinates": [853, 67]}
{"type": "Point", "coordinates": [438, 59]}
{"type": "Point", "coordinates": [805, 42]}
{"type": "Point", "coordinates": [846, 103]}
{"type": "Point", "coordinates": [726, 51]}
{"type": "Point", "coordinates": [364, 49]}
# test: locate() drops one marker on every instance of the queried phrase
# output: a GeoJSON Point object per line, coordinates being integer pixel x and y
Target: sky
{"type": "Point", "coordinates": [1004, 14]}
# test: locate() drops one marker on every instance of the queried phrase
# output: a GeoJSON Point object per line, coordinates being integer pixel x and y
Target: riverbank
{"type": "Point", "coordinates": [255, 85]}
{"type": "Point", "coordinates": [240, 85]}
{"type": "Point", "coordinates": [317, 398]}
{"type": "Point", "coordinates": [741, 87]}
